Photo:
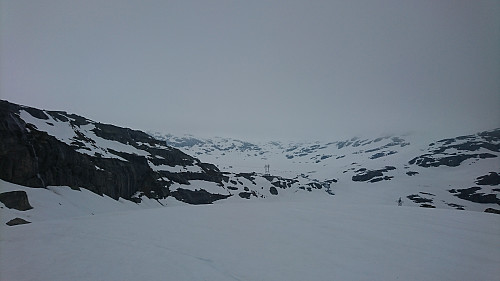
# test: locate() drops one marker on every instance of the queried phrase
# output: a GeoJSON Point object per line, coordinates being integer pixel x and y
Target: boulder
{"type": "Point", "coordinates": [17, 221]}
{"type": "Point", "coordinates": [16, 200]}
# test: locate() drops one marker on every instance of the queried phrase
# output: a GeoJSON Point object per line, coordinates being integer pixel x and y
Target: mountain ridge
{"type": "Point", "coordinates": [53, 148]}
{"type": "Point", "coordinates": [46, 149]}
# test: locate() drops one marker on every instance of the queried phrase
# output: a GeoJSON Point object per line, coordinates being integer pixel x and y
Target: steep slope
{"type": "Point", "coordinates": [41, 148]}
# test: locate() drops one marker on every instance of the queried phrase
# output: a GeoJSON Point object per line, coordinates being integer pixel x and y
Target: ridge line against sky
{"type": "Point", "coordinates": [260, 69]}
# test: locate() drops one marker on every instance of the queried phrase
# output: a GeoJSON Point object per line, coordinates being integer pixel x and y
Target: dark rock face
{"type": "Point", "coordinates": [15, 200]}
{"type": "Point", "coordinates": [248, 176]}
{"type": "Point", "coordinates": [443, 152]}
{"type": "Point", "coordinates": [197, 197]}
{"type": "Point", "coordinates": [245, 195]}
{"type": "Point", "coordinates": [17, 221]}
{"type": "Point", "coordinates": [280, 182]}
{"type": "Point", "coordinates": [491, 210]}
{"type": "Point", "coordinates": [429, 160]}
{"type": "Point", "coordinates": [273, 190]}
{"type": "Point", "coordinates": [472, 194]}
{"type": "Point", "coordinates": [491, 179]}
{"type": "Point", "coordinates": [31, 157]}
{"type": "Point", "coordinates": [373, 175]}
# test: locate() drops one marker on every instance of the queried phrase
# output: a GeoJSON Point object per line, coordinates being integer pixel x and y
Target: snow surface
{"type": "Point", "coordinates": [79, 235]}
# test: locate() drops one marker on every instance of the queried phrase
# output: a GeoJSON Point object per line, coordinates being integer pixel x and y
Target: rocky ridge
{"type": "Point", "coordinates": [42, 148]}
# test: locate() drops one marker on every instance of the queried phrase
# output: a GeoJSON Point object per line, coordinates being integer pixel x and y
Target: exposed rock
{"type": "Point", "coordinates": [491, 210]}
{"type": "Point", "coordinates": [438, 156]}
{"type": "Point", "coordinates": [17, 221]}
{"type": "Point", "coordinates": [429, 160]}
{"type": "Point", "coordinates": [418, 199]}
{"type": "Point", "coordinates": [491, 179]}
{"type": "Point", "coordinates": [456, 206]}
{"type": "Point", "coordinates": [472, 194]}
{"type": "Point", "coordinates": [248, 176]}
{"type": "Point", "coordinates": [15, 200]}
{"type": "Point", "coordinates": [372, 175]}
{"type": "Point", "coordinates": [197, 197]}
{"type": "Point", "coordinates": [427, 206]}
{"type": "Point", "coordinates": [34, 158]}
{"type": "Point", "coordinates": [273, 190]}
{"type": "Point", "coordinates": [245, 195]}
{"type": "Point", "coordinates": [315, 185]}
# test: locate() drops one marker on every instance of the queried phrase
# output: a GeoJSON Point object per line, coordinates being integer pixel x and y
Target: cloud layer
{"type": "Point", "coordinates": [254, 69]}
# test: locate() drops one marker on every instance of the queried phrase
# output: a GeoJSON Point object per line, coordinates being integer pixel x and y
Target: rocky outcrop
{"type": "Point", "coordinates": [32, 157]}
{"type": "Point", "coordinates": [492, 211]}
{"type": "Point", "coordinates": [373, 175]}
{"type": "Point", "coordinates": [492, 178]}
{"type": "Point", "coordinates": [15, 200]}
{"type": "Point", "coordinates": [483, 145]}
{"type": "Point", "coordinates": [17, 221]}
{"type": "Point", "coordinates": [197, 197]}
{"type": "Point", "coordinates": [474, 194]}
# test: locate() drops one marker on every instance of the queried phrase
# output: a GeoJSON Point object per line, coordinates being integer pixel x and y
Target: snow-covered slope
{"type": "Point", "coordinates": [305, 238]}
{"type": "Point", "coordinates": [424, 171]}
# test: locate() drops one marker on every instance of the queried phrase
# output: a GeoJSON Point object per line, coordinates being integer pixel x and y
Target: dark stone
{"type": "Point", "coordinates": [15, 200]}
{"type": "Point", "coordinates": [245, 195]}
{"type": "Point", "coordinates": [491, 210]}
{"type": "Point", "coordinates": [17, 221]}
{"type": "Point", "coordinates": [411, 173]}
{"type": "Point", "coordinates": [273, 190]}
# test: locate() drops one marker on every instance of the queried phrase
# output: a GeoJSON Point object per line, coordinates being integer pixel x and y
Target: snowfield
{"type": "Point", "coordinates": [324, 211]}
{"type": "Point", "coordinates": [308, 237]}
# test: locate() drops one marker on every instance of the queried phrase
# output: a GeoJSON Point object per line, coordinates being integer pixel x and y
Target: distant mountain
{"type": "Point", "coordinates": [460, 172]}
{"type": "Point", "coordinates": [47, 152]}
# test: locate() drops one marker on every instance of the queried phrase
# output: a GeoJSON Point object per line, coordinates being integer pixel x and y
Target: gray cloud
{"type": "Point", "coordinates": [258, 69]}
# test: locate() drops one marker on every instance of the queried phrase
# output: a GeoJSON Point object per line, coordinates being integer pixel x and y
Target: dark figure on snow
{"type": "Point", "coordinates": [400, 202]}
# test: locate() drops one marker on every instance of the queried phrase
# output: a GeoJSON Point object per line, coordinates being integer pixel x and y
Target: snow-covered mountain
{"type": "Point", "coordinates": [459, 172]}
{"type": "Point", "coordinates": [93, 201]}
{"type": "Point", "coordinates": [45, 149]}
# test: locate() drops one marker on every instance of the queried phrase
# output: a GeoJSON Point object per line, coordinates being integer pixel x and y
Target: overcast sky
{"type": "Point", "coordinates": [258, 69]}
